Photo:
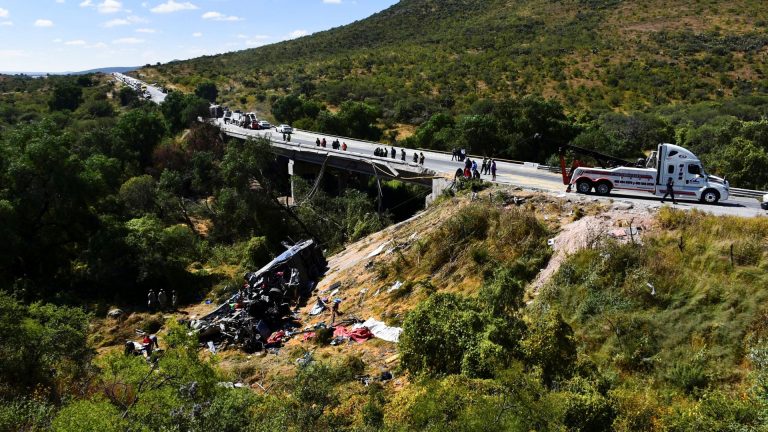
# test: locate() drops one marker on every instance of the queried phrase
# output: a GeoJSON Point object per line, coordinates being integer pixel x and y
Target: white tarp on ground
{"type": "Point", "coordinates": [381, 330]}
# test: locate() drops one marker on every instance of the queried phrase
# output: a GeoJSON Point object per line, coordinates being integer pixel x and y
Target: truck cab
{"type": "Point", "coordinates": [689, 179]}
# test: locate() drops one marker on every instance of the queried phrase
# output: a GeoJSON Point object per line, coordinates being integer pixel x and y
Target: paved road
{"type": "Point", "coordinates": [507, 173]}
{"type": "Point", "coordinates": [157, 95]}
{"type": "Point", "coordinates": [517, 175]}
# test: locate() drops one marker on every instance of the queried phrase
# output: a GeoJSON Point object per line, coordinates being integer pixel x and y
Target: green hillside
{"type": "Point", "coordinates": [617, 76]}
{"type": "Point", "coordinates": [596, 54]}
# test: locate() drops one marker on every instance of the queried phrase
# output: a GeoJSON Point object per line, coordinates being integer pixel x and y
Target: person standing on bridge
{"type": "Point", "coordinates": [402, 155]}
{"type": "Point", "coordinates": [324, 143]}
{"type": "Point", "coordinates": [473, 167]}
{"type": "Point", "coordinates": [453, 155]}
{"type": "Point", "coordinates": [493, 170]}
{"type": "Point", "coordinates": [415, 157]}
{"type": "Point", "coordinates": [344, 146]}
{"type": "Point", "coordinates": [393, 152]}
{"type": "Point", "coordinates": [317, 142]}
{"type": "Point", "coordinates": [421, 158]}
{"type": "Point", "coordinates": [484, 165]}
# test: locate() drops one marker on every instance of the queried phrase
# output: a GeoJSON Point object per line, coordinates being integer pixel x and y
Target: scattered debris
{"type": "Point", "coordinates": [381, 330]}
{"type": "Point", "coordinates": [396, 286]}
{"type": "Point", "coordinates": [115, 313]}
{"type": "Point", "coordinates": [263, 305]}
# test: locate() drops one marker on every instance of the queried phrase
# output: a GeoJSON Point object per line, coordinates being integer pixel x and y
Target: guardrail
{"type": "Point", "coordinates": [745, 193]}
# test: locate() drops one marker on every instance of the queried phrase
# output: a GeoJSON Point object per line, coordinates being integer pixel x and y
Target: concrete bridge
{"type": "Point", "coordinates": [304, 157]}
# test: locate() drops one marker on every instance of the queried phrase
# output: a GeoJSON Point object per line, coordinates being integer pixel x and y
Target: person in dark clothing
{"type": "Point", "coordinates": [493, 169]}
{"type": "Point", "coordinates": [421, 158]}
{"type": "Point", "coordinates": [393, 152]}
{"type": "Point", "coordinates": [483, 166]}
{"type": "Point", "coordinates": [324, 143]}
{"type": "Point", "coordinates": [475, 174]}
{"type": "Point", "coordinates": [468, 163]}
{"type": "Point", "coordinates": [454, 156]}
{"type": "Point", "coordinates": [670, 191]}
{"type": "Point", "coordinates": [317, 142]}
{"type": "Point", "coordinates": [402, 155]}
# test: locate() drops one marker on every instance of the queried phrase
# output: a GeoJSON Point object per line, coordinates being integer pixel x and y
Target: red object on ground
{"type": "Point", "coordinates": [359, 335]}
{"type": "Point", "coordinates": [276, 337]}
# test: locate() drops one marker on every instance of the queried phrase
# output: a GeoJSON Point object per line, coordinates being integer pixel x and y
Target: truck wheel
{"type": "Point", "coordinates": [603, 188]}
{"type": "Point", "coordinates": [710, 196]}
{"type": "Point", "coordinates": [584, 186]}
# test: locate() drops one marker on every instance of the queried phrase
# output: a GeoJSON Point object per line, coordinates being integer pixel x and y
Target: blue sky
{"type": "Point", "coordinates": [73, 35]}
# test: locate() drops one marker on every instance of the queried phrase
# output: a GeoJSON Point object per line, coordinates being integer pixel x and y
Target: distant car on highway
{"type": "Point", "coordinates": [284, 128]}
{"type": "Point", "coordinates": [764, 204]}
{"type": "Point", "coordinates": [265, 124]}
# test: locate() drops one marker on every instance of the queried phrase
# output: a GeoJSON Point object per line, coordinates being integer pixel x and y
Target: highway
{"type": "Point", "coordinates": [508, 173]}
{"type": "Point", "coordinates": [157, 95]}
{"type": "Point", "coordinates": [526, 177]}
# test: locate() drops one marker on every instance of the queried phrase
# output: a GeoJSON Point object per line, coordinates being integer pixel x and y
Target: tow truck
{"type": "Point", "coordinates": [689, 179]}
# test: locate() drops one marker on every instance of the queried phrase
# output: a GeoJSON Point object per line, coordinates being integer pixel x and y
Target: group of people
{"type": "Point", "coordinates": [470, 170]}
{"type": "Point", "coordinates": [335, 144]}
{"type": "Point", "coordinates": [159, 301]}
{"type": "Point", "coordinates": [418, 157]}
{"type": "Point", "coordinates": [458, 154]}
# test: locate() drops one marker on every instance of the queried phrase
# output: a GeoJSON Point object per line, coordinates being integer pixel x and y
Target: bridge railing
{"type": "Point", "coordinates": [343, 153]}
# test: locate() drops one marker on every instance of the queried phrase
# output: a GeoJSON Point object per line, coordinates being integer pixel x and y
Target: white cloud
{"type": "Point", "coordinates": [6, 23]}
{"type": "Point", "coordinates": [59, 1]}
{"type": "Point", "coordinates": [298, 33]}
{"type": "Point", "coordinates": [218, 16]}
{"type": "Point", "coordinates": [332, 1]}
{"type": "Point", "coordinates": [128, 41]}
{"type": "Point", "coordinates": [145, 30]}
{"type": "Point", "coordinates": [43, 23]}
{"type": "Point", "coordinates": [99, 45]}
{"type": "Point", "coordinates": [172, 6]}
{"type": "Point", "coordinates": [116, 22]}
{"type": "Point", "coordinates": [76, 42]}
{"type": "Point", "coordinates": [197, 34]}
{"type": "Point", "coordinates": [109, 6]}
{"type": "Point", "coordinates": [242, 36]}
{"type": "Point", "coordinates": [57, 40]}
{"type": "Point", "coordinates": [105, 7]}
{"type": "Point", "coordinates": [4, 13]}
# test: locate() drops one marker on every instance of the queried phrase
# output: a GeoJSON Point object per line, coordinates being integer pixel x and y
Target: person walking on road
{"type": "Point", "coordinates": [324, 143]}
{"type": "Point", "coordinates": [317, 142]}
{"type": "Point", "coordinates": [402, 155]}
{"type": "Point", "coordinates": [670, 191]}
{"type": "Point", "coordinates": [415, 157]}
{"type": "Point", "coordinates": [421, 158]}
{"type": "Point", "coordinates": [484, 166]}
{"type": "Point", "coordinates": [493, 170]}
{"type": "Point", "coordinates": [344, 146]}
{"type": "Point", "coordinates": [393, 152]}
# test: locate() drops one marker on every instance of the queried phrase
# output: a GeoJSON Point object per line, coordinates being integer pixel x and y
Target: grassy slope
{"type": "Point", "coordinates": [589, 53]}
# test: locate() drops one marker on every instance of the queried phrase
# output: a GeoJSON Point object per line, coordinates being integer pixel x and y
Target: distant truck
{"type": "Point", "coordinates": [689, 179]}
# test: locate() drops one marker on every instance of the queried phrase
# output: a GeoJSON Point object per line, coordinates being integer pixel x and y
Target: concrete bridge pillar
{"type": "Point", "coordinates": [438, 186]}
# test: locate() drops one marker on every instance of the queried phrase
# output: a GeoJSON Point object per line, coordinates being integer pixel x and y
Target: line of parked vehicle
{"type": "Point", "coordinates": [246, 120]}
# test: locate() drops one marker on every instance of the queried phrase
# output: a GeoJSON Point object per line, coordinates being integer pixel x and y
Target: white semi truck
{"type": "Point", "coordinates": [689, 179]}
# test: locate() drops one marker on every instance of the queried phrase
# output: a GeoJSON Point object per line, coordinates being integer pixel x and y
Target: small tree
{"type": "Point", "coordinates": [207, 90]}
{"type": "Point", "coordinates": [66, 96]}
